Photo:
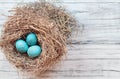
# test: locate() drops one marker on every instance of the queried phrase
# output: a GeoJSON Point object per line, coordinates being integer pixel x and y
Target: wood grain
{"type": "Point", "coordinates": [95, 52]}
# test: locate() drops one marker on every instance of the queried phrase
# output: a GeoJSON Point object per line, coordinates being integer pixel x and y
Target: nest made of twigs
{"type": "Point", "coordinates": [51, 24]}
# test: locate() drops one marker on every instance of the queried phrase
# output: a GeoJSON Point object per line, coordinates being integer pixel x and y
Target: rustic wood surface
{"type": "Point", "coordinates": [95, 52]}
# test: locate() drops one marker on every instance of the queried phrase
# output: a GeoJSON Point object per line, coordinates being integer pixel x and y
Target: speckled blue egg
{"type": "Point", "coordinates": [21, 46]}
{"type": "Point", "coordinates": [34, 51]}
{"type": "Point", "coordinates": [31, 39]}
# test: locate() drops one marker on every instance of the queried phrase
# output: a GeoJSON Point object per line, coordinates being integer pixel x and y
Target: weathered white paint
{"type": "Point", "coordinates": [95, 53]}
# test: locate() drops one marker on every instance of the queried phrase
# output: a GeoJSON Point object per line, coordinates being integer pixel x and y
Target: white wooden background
{"type": "Point", "coordinates": [96, 51]}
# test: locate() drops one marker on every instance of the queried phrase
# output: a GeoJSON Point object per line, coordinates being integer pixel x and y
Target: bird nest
{"type": "Point", "coordinates": [52, 25]}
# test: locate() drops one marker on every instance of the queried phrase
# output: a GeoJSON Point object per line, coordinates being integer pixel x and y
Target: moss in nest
{"type": "Point", "coordinates": [52, 25]}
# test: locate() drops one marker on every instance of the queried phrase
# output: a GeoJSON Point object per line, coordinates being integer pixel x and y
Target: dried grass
{"type": "Point", "coordinates": [52, 25]}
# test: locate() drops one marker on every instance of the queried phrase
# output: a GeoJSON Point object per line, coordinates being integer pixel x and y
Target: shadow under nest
{"type": "Point", "coordinates": [52, 25]}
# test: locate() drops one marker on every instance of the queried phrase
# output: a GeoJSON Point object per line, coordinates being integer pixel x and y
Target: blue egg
{"type": "Point", "coordinates": [34, 51]}
{"type": "Point", "coordinates": [21, 46]}
{"type": "Point", "coordinates": [31, 39]}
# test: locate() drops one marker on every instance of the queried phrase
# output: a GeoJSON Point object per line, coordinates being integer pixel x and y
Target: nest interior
{"type": "Point", "coordinates": [52, 25]}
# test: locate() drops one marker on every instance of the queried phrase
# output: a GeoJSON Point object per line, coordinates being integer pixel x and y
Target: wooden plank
{"type": "Point", "coordinates": [88, 52]}
{"type": "Point", "coordinates": [86, 11]}
{"type": "Point", "coordinates": [82, 68]}
{"type": "Point", "coordinates": [71, 1]}
{"type": "Point", "coordinates": [89, 1]}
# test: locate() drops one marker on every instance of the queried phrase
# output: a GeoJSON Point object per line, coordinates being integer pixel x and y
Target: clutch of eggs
{"type": "Point", "coordinates": [29, 46]}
